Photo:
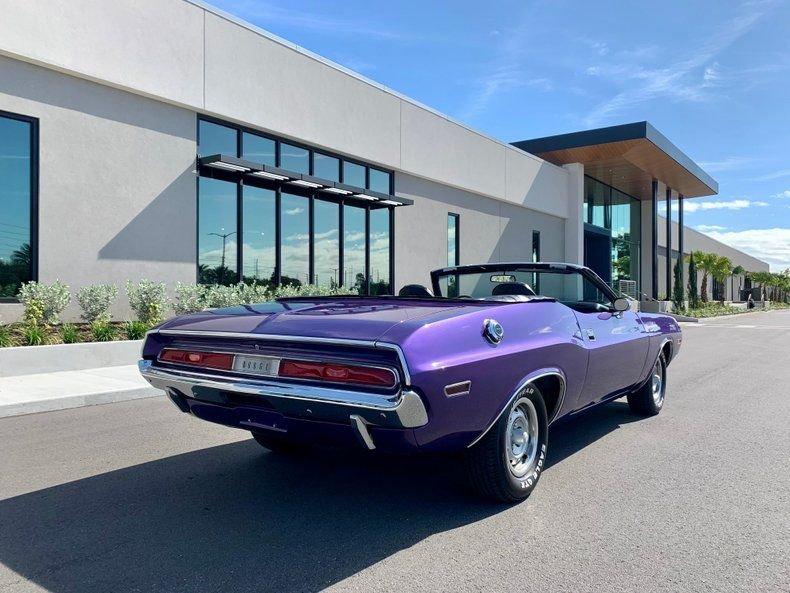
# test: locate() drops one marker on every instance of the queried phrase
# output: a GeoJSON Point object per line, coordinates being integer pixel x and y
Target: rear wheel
{"type": "Point", "coordinates": [280, 445]}
{"type": "Point", "coordinates": [649, 399]}
{"type": "Point", "coordinates": [506, 463]}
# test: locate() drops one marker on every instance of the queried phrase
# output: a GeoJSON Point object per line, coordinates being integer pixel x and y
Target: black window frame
{"type": "Point", "coordinates": [34, 189]}
{"type": "Point", "coordinates": [312, 195]}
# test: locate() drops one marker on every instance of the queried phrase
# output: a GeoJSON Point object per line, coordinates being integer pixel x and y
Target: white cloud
{"type": "Point", "coordinates": [783, 194]}
{"type": "Point", "coordinates": [773, 175]}
{"type": "Point", "coordinates": [769, 245]}
{"type": "Point", "coordinates": [293, 211]}
{"type": "Point", "coordinates": [694, 206]}
{"type": "Point", "coordinates": [688, 79]}
{"type": "Point", "coordinates": [727, 164]}
{"type": "Point", "coordinates": [706, 228]}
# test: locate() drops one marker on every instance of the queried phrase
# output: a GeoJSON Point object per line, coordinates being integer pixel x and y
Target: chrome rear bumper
{"type": "Point", "coordinates": [404, 409]}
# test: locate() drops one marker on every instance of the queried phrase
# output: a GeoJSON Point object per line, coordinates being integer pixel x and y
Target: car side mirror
{"type": "Point", "coordinates": [621, 304]}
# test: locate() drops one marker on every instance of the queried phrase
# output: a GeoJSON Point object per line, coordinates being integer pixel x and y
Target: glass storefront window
{"type": "Point", "coordinates": [326, 167]}
{"type": "Point", "coordinates": [380, 251]}
{"type": "Point", "coordinates": [294, 158]}
{"type": "Point", "coordinates": [259, 149]}
{"type": "Point", "coordinates": [354, 249]}
{"type": "Point", "coordinates": [217, 235]}
{"type": "Point", "coordinates": [216, 139]}
{"type": "Point", "coordinates": [326, 240]}
{"type": "Point", "coordinates": [379, 181]}
{"type": "Point", "coordinates": [353, 174]}
{"type": "Point", "coordinates": [295, 242]}
{"type": "Point", "coordinates": [16, 166]}
{"type": "Point", "coordinates": [258, 249]}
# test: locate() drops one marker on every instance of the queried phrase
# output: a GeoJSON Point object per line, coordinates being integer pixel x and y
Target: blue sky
{"type": "Point", "coordinates": [714, 77]}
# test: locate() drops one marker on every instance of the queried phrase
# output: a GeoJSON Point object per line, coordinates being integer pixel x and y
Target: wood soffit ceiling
{"type": "Point", "coordinates": [631, 166]}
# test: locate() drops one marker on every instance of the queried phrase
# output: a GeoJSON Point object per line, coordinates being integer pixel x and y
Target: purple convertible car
{"type": "Point", "coordinates": [481, 364]}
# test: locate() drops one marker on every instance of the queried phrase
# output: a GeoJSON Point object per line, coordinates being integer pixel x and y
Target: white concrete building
{"type": "Point", "coordinates": [165, 139]}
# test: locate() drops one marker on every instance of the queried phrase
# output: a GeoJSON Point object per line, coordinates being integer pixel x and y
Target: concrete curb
{"type": "Point", "coordinates": [32, 360]}
{"type": "Point", "coordinates": [77, 401]}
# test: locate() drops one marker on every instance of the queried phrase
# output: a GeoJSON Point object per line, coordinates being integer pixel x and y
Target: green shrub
{"type": "Point", "coordinates": [5, 336]}
{"type": "Point", "coordinates": [311, 290]}
{"type": "Point", "coordinates": [135, 330]}
{"type": "Point", "coordinates": [148, 300]}
{"type": "Point", "coordinates": [254, 293]}
{"type": "Point", "coordinates": [102, 331]}
{"type": "Point", "coordinates": [44, 302]}
{"type": "Point", "coordinates": [189, 298]}
{"type": "Point", "coordinates": [34, 334]}
{"type": "Point", "coordinates": [95, 301]}
{"type": "Point", "coordinates": [69, 333]}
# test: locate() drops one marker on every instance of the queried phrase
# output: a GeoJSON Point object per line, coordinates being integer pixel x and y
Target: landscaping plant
{"type": "Point", "coordinates": [692, 284]}
{"type": "Point", "coordinates": [135, 330]}
{"type": "Point", "coordinates": [677, 289]}
{"type": "Point", "coordinates": [189, 298]}
{"type": "Point", "coordinates": [5, 336]}
{"type": "Point", "coordinates": [34, 334]}
{"type": "Point", "coordinates": [69, 333]}
{"type": "Point", "coordinates": [95, 301]}
{"type": "Point", "coordinates": [102, 331]}
{"type": "Point", "coordinates": [44, 302]}
{"type": "Point", "coordinates": [148, 300]}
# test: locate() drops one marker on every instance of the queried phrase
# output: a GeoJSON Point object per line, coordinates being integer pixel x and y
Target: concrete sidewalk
{"type": "Point", "coordinates": [26, 394]}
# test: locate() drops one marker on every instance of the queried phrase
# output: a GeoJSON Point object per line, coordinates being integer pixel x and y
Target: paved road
{"type": "Point", "coordinates": [136, 497]}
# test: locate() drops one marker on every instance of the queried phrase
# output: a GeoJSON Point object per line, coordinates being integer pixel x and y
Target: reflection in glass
{"type": "Point", "coordinates": [216, 231]}
{"type": "Point", "coordinates": [258, 149]}
{"type": "Point", "coordinates": [354, 249]}
{"type": "Point", "coordinates": [353, 174]}
{"type": "Point", "coordinates": [379, 181]}
{"type": "Point", "coordinates": [16, 256]}
{"type": "Point", "coordinates": [216, 139]}
{"type": "Point", "coordinates": [327, 244]}
{"type": "Point", "coordinates": [258, 249]}
{"type": "Point", "coordinates": [326, 167]}
{"type": "Point", "coordinates": [380, 251]}
{"type": "Point", "coordinates": [450, 283]}
{"type": "Point", "coordinates": [295, 233]}
{"type": "Point", "coordinates": [294, 158]}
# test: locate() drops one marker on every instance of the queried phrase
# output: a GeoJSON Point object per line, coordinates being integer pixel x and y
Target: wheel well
{"type": "Point", "coordinates": [666, 352]}
{"type": "Point", "coordinates": [551, 387]}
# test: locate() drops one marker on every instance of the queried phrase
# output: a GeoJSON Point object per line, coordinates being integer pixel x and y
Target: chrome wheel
{"type": "Point", "coordinates": [658, 383]}
{"type": "Point", "coordinates": [521, 437]}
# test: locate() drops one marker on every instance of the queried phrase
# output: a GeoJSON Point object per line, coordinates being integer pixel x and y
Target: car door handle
{"type": "Point", "coordinates": [590, 335]}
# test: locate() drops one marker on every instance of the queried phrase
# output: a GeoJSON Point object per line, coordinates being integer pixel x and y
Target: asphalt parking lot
{"type": "Point", "coordinates": [135, 496]}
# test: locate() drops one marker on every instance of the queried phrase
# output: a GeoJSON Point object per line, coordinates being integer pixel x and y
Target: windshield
{"type": "Point", "coordinates": [567, 285]}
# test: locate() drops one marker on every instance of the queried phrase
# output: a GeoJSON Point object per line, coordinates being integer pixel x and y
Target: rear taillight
{"type": "Point", "coordinates": [337, 373]}
{"type": "Point", "coordinates": [210, 360]}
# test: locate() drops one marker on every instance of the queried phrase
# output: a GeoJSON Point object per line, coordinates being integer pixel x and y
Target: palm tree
{"type": "Point", "coordinates": [722, 269]}
{"type": "Point", "coordinates": [736, 271]}
{"type": "Point", "coordinates": [705, 262]}
{"type": "Point", "coordinates": [764, 279]}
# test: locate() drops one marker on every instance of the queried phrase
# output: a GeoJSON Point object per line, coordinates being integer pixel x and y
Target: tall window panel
{"type": "Point", "coordinates": [380, 252]}
{"type": "Point", "coordinates": [354, 249]}
{"type": "Point", "coordinates": [17, 257]}
{"type": "Point", "coordinates": [536, 258]}
{"type": "Point", "coordinates": [326, 237]}
{"type": "Point", "coordinates": [295, 241]}
{"type": "Point", "coordinates": [450, 287]}
{"type": "Point", "coordinates": [259, 241]}
{"type": "Point", "coordinates": [217, 232]}
{"type": "Point", "coordinates": [216, 139]}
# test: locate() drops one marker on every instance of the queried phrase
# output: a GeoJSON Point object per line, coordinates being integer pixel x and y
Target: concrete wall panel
{"type": "Point", "coordinates": [151, 46]}
{"type": "Point", "coordinates": [117, 188]}
{"type": "Point", "coordinates": [255, 80]}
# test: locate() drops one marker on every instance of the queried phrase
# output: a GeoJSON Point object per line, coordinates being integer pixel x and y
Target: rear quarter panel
{"type": "Point", "coordinates": [538, 336]}
{"type": "Point", "coordinates": [660, 329]}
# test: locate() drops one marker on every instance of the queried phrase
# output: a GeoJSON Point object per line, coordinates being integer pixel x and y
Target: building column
{"type": "Point", "coordinates": [669, 243]}
{"type": "Point", "coordinates": [574, 224]}
{"type": "Point", "coordinates": [654, 241]}
{"type": "Point", "coordinates": [680, 242]}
